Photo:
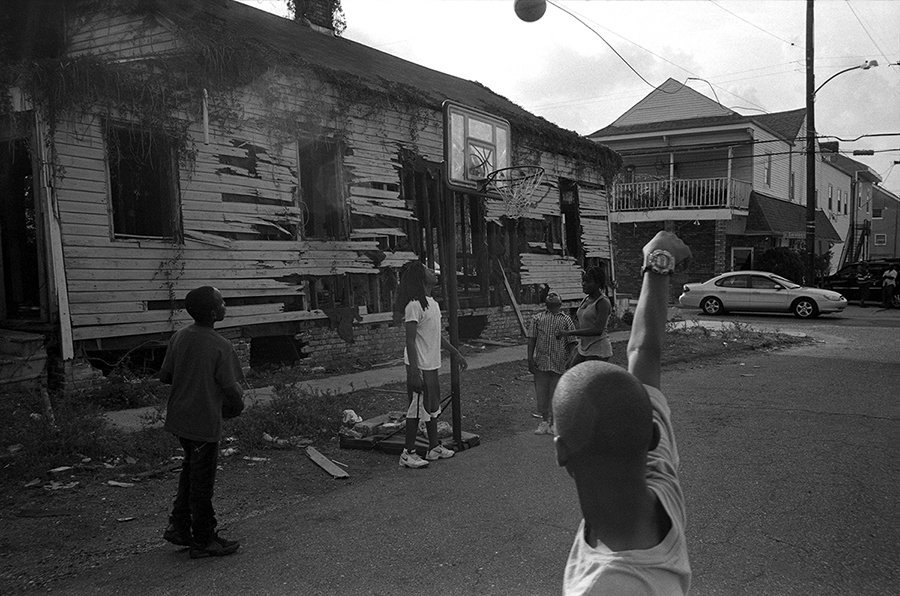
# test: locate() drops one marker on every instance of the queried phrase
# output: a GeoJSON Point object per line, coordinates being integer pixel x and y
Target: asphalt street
{"type": "Point", "coordinates": [787, 466]}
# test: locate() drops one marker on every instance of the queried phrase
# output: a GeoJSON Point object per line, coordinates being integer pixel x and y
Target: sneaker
{"type": "Point", "coordinates": [177, 536]}
{"type": "Point", "coordinates": [439, 452]}
{"type": "Point", "coordinates": [411, 460]}
{"type": "Point", "coordinates": [543, 428]}
{"type": "Point", "coordinates": [216, 547]}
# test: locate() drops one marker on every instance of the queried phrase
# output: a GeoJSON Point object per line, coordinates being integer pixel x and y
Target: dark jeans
{"type": "Point", "coordinates": [193, 503]}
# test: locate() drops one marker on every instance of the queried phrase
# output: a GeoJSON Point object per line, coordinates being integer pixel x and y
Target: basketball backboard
{"type": "Point", "coordinates": [475, 144]}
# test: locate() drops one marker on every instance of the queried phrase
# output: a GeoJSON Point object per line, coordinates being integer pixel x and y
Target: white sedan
{"type": "Point", "coordinates": [759, 291]}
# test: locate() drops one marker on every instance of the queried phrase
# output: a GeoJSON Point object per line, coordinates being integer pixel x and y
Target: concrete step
{"type": "Point", "coordinates": [20, 343]}
{"type": "Point", "coordinates": [16, 370]}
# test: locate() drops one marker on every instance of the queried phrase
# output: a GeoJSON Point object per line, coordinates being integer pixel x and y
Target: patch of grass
{"type": "Point", "coordinates": [293, 413]}
{"type": "Point", "coordinates": [81, 434]}
{"type": "Point", "coordinates": [124, 389]}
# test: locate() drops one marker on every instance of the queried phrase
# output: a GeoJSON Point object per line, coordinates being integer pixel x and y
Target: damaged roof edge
{"type": "Point", "coordinates": [373, 70]}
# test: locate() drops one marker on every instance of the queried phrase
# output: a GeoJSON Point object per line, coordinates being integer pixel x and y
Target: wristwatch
{"type": "Point", "coordinates": [660, 262]}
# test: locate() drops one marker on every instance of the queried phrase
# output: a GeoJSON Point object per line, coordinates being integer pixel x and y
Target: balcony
{"type": "Point", "coordinates": [710, 195]}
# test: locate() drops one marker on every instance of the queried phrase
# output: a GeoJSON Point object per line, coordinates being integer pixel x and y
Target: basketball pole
{"type": "Point", "coordinates": [451, 295]}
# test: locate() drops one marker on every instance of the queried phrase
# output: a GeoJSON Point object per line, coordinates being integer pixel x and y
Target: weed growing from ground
{"type": "Point", "coordinates": [82, 436]}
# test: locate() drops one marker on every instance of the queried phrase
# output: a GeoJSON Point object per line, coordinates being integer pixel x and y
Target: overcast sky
{"type": "Point", "coordinates": [750, 53]}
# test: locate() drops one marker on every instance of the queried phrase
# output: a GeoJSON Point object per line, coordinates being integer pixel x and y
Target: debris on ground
{"type": "Point", "coordinates": [119, 484]}
{"type": "Point", "coordinates": [325, 463]}
{"type": "Point", "coordinates": [279, 443]}
{"type": "Point", "coordinates": [255, 459]}
{"type": "Point", "coordinates": [389, 422]}
{"type": "Point", "coordinates": [61, 485]}
{"type": "Point", "coordinates": [349, 417]}
{"type": "Point", "coordinates": [229, 451]}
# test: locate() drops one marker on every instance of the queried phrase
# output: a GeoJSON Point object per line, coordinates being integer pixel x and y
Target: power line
{"type": "Point", "coordinates": [767, 32]}
{"type": "Point", "coordinates": [597, 33]}
{"type": "Point", "coordinates": [603, 39]}
{"type": "Point", "coordinates": [866, 29]}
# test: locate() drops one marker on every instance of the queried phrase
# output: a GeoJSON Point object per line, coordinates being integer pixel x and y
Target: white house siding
{"type": "Point", "coordinates": [839, 180]}
{"type": "Point", "coordinates": [767, 144]}
{"type": "Point", "coordinates": [659, 106]}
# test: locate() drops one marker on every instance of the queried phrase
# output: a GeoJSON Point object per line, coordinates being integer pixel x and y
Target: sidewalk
{"type": "Point", "coordinates": [135, 419]}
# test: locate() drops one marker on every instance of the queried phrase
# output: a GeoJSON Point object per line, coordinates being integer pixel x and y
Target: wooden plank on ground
{"type": "Point", "coordinates": [325, 463]}
{"type": "Point", "coordinates": [512, 299]}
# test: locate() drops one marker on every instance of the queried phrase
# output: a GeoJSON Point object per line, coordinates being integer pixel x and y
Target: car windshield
{"type": "Point", "coordinates": [786, 282]}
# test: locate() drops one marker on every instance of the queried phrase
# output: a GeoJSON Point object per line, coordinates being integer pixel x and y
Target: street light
{"type": "Point", "coordinates": [864, 66]}
{"type": "Point", "coordinates": [811, 91]}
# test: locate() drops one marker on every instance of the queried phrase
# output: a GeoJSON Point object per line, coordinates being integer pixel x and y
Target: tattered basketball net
{"type": "Point", "coordinates": [516, 186]}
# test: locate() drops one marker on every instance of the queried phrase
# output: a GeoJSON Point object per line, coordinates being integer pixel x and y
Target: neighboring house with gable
{"type": "Point", "coordinates": [731, 185]}
{"type": "Point", "coordinates": [860, 183]}
{"type": "Point", "coordinates": [153, 147]}
{"type": "Point", "coordinates": [884, 238]}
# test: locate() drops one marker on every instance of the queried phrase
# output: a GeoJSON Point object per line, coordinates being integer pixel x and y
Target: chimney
{"type": "Point", "coordinates": [316, 14]}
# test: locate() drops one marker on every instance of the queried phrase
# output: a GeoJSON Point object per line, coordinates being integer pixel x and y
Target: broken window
{"type": "Point", "coordinates": [142, 182]}
{"type": "Point", "coordinates": [571, 218]}
{"type": "Point", "coordinates": [320, 190]}
{"type": "Point", "coordinates": [545, 233]}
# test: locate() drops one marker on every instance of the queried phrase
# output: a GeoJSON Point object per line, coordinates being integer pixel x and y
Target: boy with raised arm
{"type": "Point", "coordinates": [615, 438]}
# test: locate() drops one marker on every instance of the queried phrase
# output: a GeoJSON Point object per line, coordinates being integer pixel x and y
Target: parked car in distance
{"type": "Point", "coordinates": [844, 280]}
{"type": "Point", "coordinates": [759, 291]}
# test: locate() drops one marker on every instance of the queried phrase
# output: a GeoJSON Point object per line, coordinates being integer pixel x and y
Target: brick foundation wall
{"type": "Point", "coordinates": [706, 240]}
{"type": "Point", "coordinates": [382, 342]}
{"type": "Point", "coordinates": [504, 325]}
{"type": "Point", "coordinates": [73, 376]}
{"type": "Point", "coordinates": [372, 343]}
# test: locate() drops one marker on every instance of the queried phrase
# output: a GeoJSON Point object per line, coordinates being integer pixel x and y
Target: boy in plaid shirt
{"type": "Point", "coordinates": [548, 355]}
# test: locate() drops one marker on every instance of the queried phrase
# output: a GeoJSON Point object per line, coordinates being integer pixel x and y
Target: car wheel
{"type": "Point", "coordinates": [712, 306]}
{"type": "Point", "coordinates": [805, 308]}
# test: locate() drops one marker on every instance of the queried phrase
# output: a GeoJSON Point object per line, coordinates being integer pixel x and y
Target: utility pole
{"type": "Point", "coordinates": [810, 150]}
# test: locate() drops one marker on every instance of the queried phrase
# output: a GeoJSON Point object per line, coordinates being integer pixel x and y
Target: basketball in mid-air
{"type": "Point", "coordinates": [530, 10]}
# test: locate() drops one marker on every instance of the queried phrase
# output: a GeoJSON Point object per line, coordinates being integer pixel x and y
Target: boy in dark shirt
{"type": "Point", "coordinates": [206, 377]}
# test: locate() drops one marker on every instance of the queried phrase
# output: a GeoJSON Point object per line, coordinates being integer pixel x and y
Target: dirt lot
{"type": "Point", "coordinates": [49, 534]}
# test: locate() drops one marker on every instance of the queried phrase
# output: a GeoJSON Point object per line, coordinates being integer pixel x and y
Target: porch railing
{"type": "Point", "coordinates": [697, 193]}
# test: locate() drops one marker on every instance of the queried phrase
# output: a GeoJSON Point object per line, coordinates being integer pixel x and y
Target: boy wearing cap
{"type": "Point", "coordinates": [548, 354]}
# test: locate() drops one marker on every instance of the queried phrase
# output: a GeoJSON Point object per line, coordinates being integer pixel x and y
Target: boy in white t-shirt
{"type": "Point", "coordinates": [615, 438]}
{"type": "Point", "coordinates": [422, 356]}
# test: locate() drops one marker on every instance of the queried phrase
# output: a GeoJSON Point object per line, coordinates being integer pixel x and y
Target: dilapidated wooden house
{"type": "Point", "coordinates": [153, 146]}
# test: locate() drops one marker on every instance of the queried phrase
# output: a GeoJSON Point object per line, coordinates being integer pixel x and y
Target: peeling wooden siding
{"type": "Point", "coordinates": [241, 190]}
{"type": "Point", "coordinates": [561, 274]}
{"type": "Point", "coordinates": [594, 221]}
{"type": "Point", "coordinates": [120, 36]}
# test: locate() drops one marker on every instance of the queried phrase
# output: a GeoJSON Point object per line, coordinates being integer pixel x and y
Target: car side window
{"type": "Point", "coordinates": [735, 281]}
{"type": "Point", "coordinates": [759, 282]}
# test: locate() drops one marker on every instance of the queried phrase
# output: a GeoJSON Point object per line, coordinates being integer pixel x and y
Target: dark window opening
{"type": "Point", "coordinates": [541, 234]}
{"type": "Point", "coordinates": [571, 221]}
{"type": "Point", "coordinates": [320, 190]}
{"type": "Point", "coordinates": [19, 236]}
{"type": "Point", "coordinates": [472, 265]}
{"type": "Point", "coordinates": [329, 291]}
{"type": "Point", "coordinates": [392, 233]}
{"type": "Point", "coordinates": [272, 351]}
{"type": "Point", "coordinates": [142, 179]}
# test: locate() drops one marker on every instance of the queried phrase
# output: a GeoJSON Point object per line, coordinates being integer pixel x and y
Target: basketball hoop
{"type": "Point", "coordinates": [516, 186]}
